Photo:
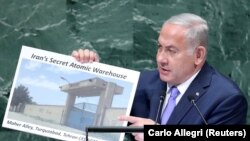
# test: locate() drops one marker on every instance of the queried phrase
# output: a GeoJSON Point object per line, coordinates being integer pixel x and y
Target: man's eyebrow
{"type": "Point", "coordinates": [168, 46]}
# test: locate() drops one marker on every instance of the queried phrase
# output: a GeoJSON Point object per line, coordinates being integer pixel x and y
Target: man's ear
{"type": "Point", "coordinates": [200, 54]}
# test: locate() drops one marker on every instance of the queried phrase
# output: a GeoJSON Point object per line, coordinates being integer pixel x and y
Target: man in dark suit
{"type": "Point", "coordinates": [181, 61]}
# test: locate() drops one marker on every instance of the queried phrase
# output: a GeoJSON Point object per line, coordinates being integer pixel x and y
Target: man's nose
{"type": "Point", "coordinates": [162, 57]}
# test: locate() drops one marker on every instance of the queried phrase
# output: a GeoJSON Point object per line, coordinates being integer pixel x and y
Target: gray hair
{"type": "Point", "coordinates": [197, 33]}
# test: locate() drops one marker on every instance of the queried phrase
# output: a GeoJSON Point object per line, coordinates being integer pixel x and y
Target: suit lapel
{"type": "Point", "coordinates": [154, 99]}
{"type": "Point", "coordinates": [184, 104]}
{"type": "Point", "coordinates": [197, 89]}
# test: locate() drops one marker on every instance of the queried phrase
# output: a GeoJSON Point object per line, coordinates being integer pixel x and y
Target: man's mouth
{"type": "Point", "coordinates": [164, 70]}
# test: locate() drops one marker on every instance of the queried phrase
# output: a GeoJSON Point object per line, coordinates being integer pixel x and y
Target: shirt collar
{"type": "Point", "coordinates": [183, 86]}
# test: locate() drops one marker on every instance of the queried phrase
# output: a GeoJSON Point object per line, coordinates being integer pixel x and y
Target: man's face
{"type": "Point", "coordinates": [175, 60]}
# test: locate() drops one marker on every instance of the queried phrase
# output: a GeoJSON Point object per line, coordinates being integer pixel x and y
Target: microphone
{"type": "Point", "coordinates": [192, 100]}
{"type": "Point", "coordinates": [162, 98]}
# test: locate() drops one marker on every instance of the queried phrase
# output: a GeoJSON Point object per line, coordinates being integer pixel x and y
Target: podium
{"type": "Point", "coordinates": [113, 129]}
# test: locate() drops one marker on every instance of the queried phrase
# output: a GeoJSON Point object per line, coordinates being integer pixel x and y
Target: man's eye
{"type": "Point", "coordinates": [172, 51]}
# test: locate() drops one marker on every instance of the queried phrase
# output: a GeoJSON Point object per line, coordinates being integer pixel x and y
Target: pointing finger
{"type": "Point", "coordinates": [130, 119]}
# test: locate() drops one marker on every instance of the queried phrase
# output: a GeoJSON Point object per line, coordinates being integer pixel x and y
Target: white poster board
{"type": "Point", "coordinates": [54, 95]}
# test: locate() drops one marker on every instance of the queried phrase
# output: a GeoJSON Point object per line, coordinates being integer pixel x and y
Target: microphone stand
{"type": "Point", "coordinates": [158, 111]}
{"type": "Point", "coordinates": [162, 98]}
{"type": "Point", "coordinates": [192, 100]}
{"type": "Point", "coordinates": [199, 112]}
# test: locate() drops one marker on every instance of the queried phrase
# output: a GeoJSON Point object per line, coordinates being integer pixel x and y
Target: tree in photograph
{"type": "Point", "coordinates": [20, 96]}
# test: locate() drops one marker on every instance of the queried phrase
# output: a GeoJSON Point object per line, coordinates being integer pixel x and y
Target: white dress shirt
{"type": "Point", "coordinates": [182, 89]}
